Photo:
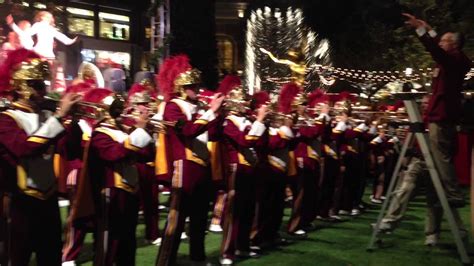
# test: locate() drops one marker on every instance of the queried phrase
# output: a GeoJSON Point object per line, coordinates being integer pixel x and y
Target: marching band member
{"type": "Point", "coordinates": [274, 167]}
{"type": "Point", "coordinates": [141, 95]}
{"type": "Point", "coordinates": [345, 156]}
{"type": "Point", "coordinates": [240, 139]}
{"type": "Point", "coordinates": [215, 157]}
{"type": "Point", "coordinates": [112, 158]}
{"type": "Point", "coordinates": [190, 157]}
{"type": "Point", "coordinates": [27, 142]}
{"type": "Point", "coordinates": [378, 146]}
{"type": "Point", "coordinates": [356, 167]}
{"type": "Point", "coordinates": [331, 165]}
{"type": "Point", "coordinates": [307, 155]}
{"type": "Point", "coordinates": [81, 130]}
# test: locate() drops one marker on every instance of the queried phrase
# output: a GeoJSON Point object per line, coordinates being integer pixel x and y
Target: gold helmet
{"type": "Point", "coordinates": [176, 73]}
{"type": "Point", "coordinates": [189, 77]}
{"type": "Point", "coordinates": [232, 87]}
{"type": "Point", "coordinates": [29, 77]}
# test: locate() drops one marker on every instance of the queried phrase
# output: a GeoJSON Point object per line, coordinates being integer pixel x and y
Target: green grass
{"type": "Point", "coordinates": [331, 244]}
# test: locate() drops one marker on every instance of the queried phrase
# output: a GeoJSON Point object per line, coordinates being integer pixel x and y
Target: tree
{"type": "Point", "coordinates": [369, 34]}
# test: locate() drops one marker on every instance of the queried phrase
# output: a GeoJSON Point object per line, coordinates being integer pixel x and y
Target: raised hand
{"type": "Point", "coordinates": [142, 119]}
{"type": "Point", "coordinates": [66, 103]}
{"type": "Point", "coordinates": [412, 21]}
{"type": "Point", "coordinates": [216, 102]}
{"type": "Point", "coordinates": [9, 19]}
{"type": "Point", "coordinates": [262, 113]}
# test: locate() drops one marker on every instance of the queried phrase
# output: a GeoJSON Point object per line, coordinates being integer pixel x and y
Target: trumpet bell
{"type": "Point", "coordinates": [89, 71]}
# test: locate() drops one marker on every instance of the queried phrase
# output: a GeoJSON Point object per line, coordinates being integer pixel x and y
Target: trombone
{"type": "Point", "coordinates": [157, 124]}
{"type": "Point", "coordinates": [98, 108]}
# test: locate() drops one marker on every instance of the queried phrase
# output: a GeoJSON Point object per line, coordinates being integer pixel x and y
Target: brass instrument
{"type": "Point", "coordinates": [4, 104]}
{"type": "Point", "coordinates": [89, 71]}
{"type": "Point", "coordinates": [229, 104]}
{"type": "Point", "coordinates": [156, 124]}
{"type": "Point", "coordinates": [99, 109]}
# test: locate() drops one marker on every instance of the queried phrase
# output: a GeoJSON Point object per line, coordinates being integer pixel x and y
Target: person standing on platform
{"type": "Point", "coordinates": [444, 110]}
{"type": "Point", "coordinates": [46, 33]}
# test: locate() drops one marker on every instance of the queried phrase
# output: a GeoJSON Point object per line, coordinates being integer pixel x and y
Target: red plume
{"type": "Point", "coordinates": [80, 88]}
{"type": "Point", "coordinates": [136, 88]}
{"type": "Point", "coordinates": [96, 95]}
{"type": "Point", "coordinates": [13, 59]}
{"type": "Point", "coordinates": [169, 71]}
{"type": "Point", "coordinates": [345, 95]}
{"type": "Point", "coordinates": [398, 105]}
{"type": "Point", "coordinates": [287, 94]}
{"type": "Point", "coordinates": [228, 84]}
{"type": "Point", "coordinates": [260, 98]}
{"type": "Point", "coordinates": [333, 97]}
{"type": "Point", "coordinates": [206, 96]}
{"type": "Point", "coordinates": [317, 96]}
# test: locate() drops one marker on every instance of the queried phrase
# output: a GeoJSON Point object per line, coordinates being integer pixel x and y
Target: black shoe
{"type": "Point", "coordinates": [453, 203]}
{"type": "Point", "coordinates": [299, 234]}
{"type": "Point", "coordinates": [282, 241]}
{"type": "Point", "coordinates": [247, 254]}
{"type": "Point", "coordinates": [256, 248]}
{"type": "Point", "coordinates": [457, 203]}
{"type": "Point", "coordinates": [310, 227]}
{"type": "Point", "coordinates": [362, 205]}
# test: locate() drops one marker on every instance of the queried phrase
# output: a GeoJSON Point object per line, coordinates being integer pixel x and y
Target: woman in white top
{"type": "Point", "coordinates": [45, 33]}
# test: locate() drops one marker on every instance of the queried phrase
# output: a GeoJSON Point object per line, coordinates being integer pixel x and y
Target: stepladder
{"type": "Point", "coordinates": [418, 132]}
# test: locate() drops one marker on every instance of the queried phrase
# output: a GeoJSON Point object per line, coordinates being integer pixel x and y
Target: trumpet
{"type": "Point", "coordinates": [99, 109]}
{"type": "Point", "coordinates": [229, 104]}
{"type": "Point", "coordinates": [157, 124]}
{"type": "Point", "coordinates": [4, 104]}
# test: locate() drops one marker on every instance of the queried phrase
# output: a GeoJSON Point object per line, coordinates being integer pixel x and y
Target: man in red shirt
{"type": "Point", "coordinates": [444, 107]}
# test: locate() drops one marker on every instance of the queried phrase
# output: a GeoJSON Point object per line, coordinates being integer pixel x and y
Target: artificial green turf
{"type": "Point", "coordinates": [331, 244]}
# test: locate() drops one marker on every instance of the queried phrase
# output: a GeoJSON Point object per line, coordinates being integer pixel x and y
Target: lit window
{"type": "Point", "coordinates": [81, 21]}
{"type": "Point", "coordinates": [80, 12]}
{"type": "Point", "coordinates": [225, 48]}
{"type": "Point", "coordinates": [81, 26]}
{"type": "Point", "coordinates": [113, 26]}
{"type": "Point", "coordinates": [113, 17]}
{"type": "Point", "coordinates": [39, 5]}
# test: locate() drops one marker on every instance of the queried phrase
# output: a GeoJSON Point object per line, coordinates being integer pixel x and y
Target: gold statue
{"type": "Point", "coordinates": [297, 66]}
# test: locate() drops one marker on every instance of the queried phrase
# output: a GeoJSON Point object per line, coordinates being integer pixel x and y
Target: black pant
{"type": "Point", "coordinates": [35, 227]}
{"type": "Point", "coordinates": [189, 197]}
{"type": "Point", "coordinates": [270, 204]}
{"type": "Point", "coordinates": [122, 215]}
